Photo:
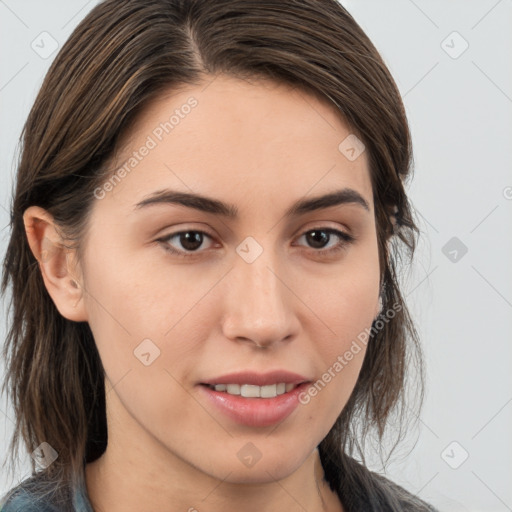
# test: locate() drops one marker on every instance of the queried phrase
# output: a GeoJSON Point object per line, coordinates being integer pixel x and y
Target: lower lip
{"type": "Point", "coordinates": [255, 412]}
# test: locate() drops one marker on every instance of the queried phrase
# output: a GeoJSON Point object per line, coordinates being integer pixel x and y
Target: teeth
{"type": "Point", "coordinates": [252, 391]}
{"type": "Point", "coordinates": [249, 391]}
{"type": "Point", "coordinates": [233, 389]}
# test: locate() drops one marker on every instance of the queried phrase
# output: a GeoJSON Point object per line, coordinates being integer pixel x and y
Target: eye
{"type": "Point", "coordinates": [321, 236]}
{"type": "Point", "coordinates": [192, 240]}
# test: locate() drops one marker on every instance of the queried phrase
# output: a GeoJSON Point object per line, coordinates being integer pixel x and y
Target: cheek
{"type": "Point", "coordinates": [126, 295]}
{"type": "Point", "coordinates": [344, 301]}
{"type": "Point", "coordinates": [142, 317]}
{"type": "Point", "coordinates": [145, 341]}
{"type": "Point", "coordinates": [339, 359]}
{"type": "Point", "coordinates": [344, 307]}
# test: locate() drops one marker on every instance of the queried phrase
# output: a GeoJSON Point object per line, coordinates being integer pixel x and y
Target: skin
{"type": "Point", "coordinates": [260, 146]}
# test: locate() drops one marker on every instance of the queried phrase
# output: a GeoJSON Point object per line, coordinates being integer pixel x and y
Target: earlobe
{"type": "Point", "coordinates": [61, 277]}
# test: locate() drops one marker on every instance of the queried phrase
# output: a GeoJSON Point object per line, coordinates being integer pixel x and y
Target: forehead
{"type": "Point", "coordinates": [234, 138]}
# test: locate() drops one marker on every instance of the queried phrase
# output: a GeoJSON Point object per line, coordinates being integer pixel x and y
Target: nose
{"type": "Point", "coordinates": [259, 304]}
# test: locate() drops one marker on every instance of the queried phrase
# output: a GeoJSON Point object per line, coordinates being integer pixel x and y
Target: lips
{"type": "Point", "coordinates": [258, 379]}
{"type": "Point", "coordinates": [253, 391]}
{"type": "Point", "coordinates": [253, 399]}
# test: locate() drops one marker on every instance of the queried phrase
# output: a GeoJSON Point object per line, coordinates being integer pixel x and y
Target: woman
{"type": "Point", "coordinates": [208, 211]}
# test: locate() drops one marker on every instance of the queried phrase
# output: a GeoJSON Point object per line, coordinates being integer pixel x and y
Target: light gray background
{"type": "Point", "coordinates": [460, 111]}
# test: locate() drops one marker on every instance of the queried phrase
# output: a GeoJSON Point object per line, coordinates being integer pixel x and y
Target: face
{"type": "Point", "coordinates": [178, 295]}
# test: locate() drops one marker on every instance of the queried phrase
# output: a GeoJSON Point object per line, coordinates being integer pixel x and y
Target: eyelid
{"type": "Point", "coordinates": [324, 224]}
{"type": "Point", "coordinates": [187, 229]}
{"type": "Point", "coordinates": [164, 241]}
{"type": "Point", "coordinates": [345, 236]}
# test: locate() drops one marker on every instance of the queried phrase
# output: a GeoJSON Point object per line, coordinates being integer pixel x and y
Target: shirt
{"type": "Point", "coordinates": [26, 498]}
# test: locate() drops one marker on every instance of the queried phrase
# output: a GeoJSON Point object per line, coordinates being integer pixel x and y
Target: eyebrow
{"type": "Point", "coordinates": [216, 207]}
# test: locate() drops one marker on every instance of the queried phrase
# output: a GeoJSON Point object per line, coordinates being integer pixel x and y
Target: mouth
{"type": "Point", "coordinates": [252, 405]}
{"type": "Point", "coordinates": [254, 391]}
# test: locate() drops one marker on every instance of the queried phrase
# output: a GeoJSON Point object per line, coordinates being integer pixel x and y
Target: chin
{"type": "Point", "coordinates": [259, 462]}
{"type": "Point", "coordinates": [264, 474]}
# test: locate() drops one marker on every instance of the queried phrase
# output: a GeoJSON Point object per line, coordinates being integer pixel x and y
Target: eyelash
{"type": "Point", "coordinates": [346, 240]}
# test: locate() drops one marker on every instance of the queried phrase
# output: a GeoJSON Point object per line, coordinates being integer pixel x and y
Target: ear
{"type": "Point", "coordinates": [61, 274]}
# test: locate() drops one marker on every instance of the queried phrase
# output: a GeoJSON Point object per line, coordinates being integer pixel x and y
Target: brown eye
{"type": "Point", "coordinates": [190, 241]}
{"type": "Point", "coordinates": [319, 238]}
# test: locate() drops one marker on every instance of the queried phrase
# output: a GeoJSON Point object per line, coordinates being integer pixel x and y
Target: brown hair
{"type": "Point", "coordinates": [121, 56]}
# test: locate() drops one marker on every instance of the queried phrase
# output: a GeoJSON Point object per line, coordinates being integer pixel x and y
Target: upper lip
{"type": "Point", "coordinates": [258, 379]}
